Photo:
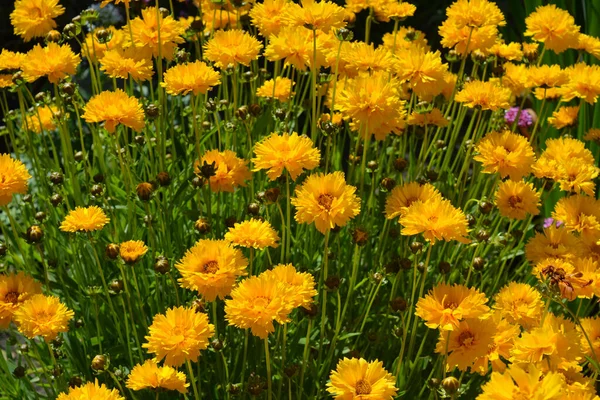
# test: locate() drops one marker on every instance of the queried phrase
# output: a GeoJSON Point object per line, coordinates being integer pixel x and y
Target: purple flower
{"type": "Point", "coordinates": [549, 221]}
{"type": "Point", "coordinates": [525, 118]}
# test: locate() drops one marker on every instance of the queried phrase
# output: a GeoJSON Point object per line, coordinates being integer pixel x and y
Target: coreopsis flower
{"type": "Point", "coordinates": [579, 213]}
{"type": "Point", "coordinates": [54, 61]}
{"type": "Point", "coordinates": [291, 152]}
{"type": "Point", "coordinates": [401, 198]}
{"type": "Point", "coordinates": [433, 117]}
{"type": "Point", "coordinates": [300, 285]}
{"type": "Point", "coordinates": [578, 386]}
{"type": "Point", "coordinates": [215, 18]}
{"type": "Point", "coordinates": [589, 44]}
{"type": "Point", "coordinates": [91, 391]}
{"type": "Point", "coordinates": [361, 57]}
{"type": "Point", "coordinates": [503, 338]}
{"type": "Point", "coordinates": [357, 378]}
{"type": "Point", "coordinates": [397, 10]}
{"type": "Point", "coordinates": [93, 50]}
{"type": "Point", "coordinates": [211, 268]}
{"type": "Point", "coordinates": [10, 60]}
{"type": "Point", "coordinates": [114, 108]}
{"type": "Point", "coordinates": [591, 327]}
{"type": "Point", "coordinates": [150, 376]}
{"type": "Point", "coordinates": [565, 117]}
{"type": "Point", "coordinates": [593, 135]}
{"type": "Point", "coordinates": [554, 344]}
{"type": "Point", "coordinates": [294, 45]}
{"type": "Point", "coordinates": [278, 88]}
{"type": "Point", "coordinates": [84, 219]}
{"type": "Point", "coordinates": [326, 200]}
{"type": "Point", "coordinates": [13, 178]}
{"type": "Point", "coordinates": [475, 13]}
{"type": "Point", "coordinates": [178, 335]}
{"type": "Point", "coordinates": [267, 16]}
{"type": "Point", "coordinates": [6, 81]}
{"type": "Point", "coordinates": [322, 15]}
{"type": "Point", "coordinates": [465, 39]}
{"type": "Point", "coordinates": [253, 233]}
{"type": "Point", "coordinates": [128, 62]}
{"type": "Point", "coordinates": [445, 306]}
{"type": "Point", "coordinates": [35, 18]}
{"type": "Point", "coordinates": [552, 26]}
{"type": "Point", "coordinates": [484, 95]}
{"type": "Point", "coordinates": [449, 85]}
{"type": "Point", "coordinates": [584, 83]}
{"type": "Point", "coordinates": [195, 77]}
{"type": "Point", "coordinates": [230, 171]}
{"type": "Point", "coordinates": [232, 47]}
{"type": "Point", "coordinates": [515, 78]}
{"type": "Point", "coordinates": [585, 280]}
{"type": "Point", "coordinates": [505, 153]}
{"type": "Point", "coordinates": [465, 344]}
{"type": "Point", "coordinates": [256, 302]}
{"type": "Point", "coordinates": [145, 32]}
{"type": "Point", "coordinates": [106, 2]}
{"type": "Point", "coordinates": [15, 289]}
{"type": "Point", "coordinates": [406, 37]}
{"type": "Point", "coordinates": [132, 250]}
{"type": "Point", "coordinates": [578, 176]}
{"type": "Point", "coordinates": [516, 199]}
{"type": "Point", "coordinates": [509, 52]}
{"type": "Point", "coordinates": [519, 304]}
{"type": "Point", "coordinates": [553, 242]}
{"type": "Point", "coordinates": [525, 382]}
{"type": "Point", "coordinates": [43, 316]}
{"type": "Point", "coordinates": [423, 70]}
{"type": "Point", "coordinates": [437, 219]}
{"type": "Point", "coordinates": [373, 105]}
{"type": "Point", "coordinates": [548, 94]}
{"type": "Point", "coordinates": [546, 76]}
{"type": "Point", "coordinates": [43, 119]}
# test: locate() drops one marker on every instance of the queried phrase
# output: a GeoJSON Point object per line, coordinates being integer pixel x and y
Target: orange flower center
{"type": "Point", "coordinates": [261, 302]}
{"type": "Point", "coordinates": [325, 201]}
{"type": "Point", "coordinates": [514, 201]}
{"type": "Point", "coordinates": [363, 387]}
{"type": "Point", "coordinates": [466, 338]}
{"type": "Point", "coordinates": [12, 297]}
{"type": "Point", "coordinates": [210, 267]}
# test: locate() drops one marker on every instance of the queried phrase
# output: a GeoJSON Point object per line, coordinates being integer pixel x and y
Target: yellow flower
{"type": "Point", "coordinates": [294, 153]}
{"type": "Point", "coordinates": [564, 117]}
{"type": "Point", "coordinates": [548, 94]}
{"type": "Point", "coordinates": [230, 171]}
{"type": "Point", "coordinates": [505, 153]}
{"type": "Point", "coordinates": [114, 108]}
{"type": "Point", "coordinates": [553, 242]}
{"type": "Point", "coordinates": [445, 306]}
{"type": "Point", "coordinates": [397, 10]}
{"type": "Point", "coordinates": [253, 233]}
{"type": "Point", "coordinates": [520, 304]}
{"type": "Point", "coordinates": [91, 391]}
{"type": "Point", "coordinates": [84, 219]}
{"type": "Point", "coordinates": [35, 18]}
{"type": "Point", "coordinates": [546, 76]}
{"type": "Point", "coordinates": [593, 135]}
{"type": "Point", "coordinates": [356, 378]}
{"type": "Point", "coordinates": [465, 344]}
{"type": "Point", "coordinates": [278, 88]}
{"type": "Point", "coordinates": [504, 336]}
{"type": "Point", "coordinates": [584, 83]}
{"type": "Point", "coordinates": [326, 200]}
{"type": "Point", "coordinates": [294, 45]}
{"type": "Point", "coordinates": [579, 213]}
{"type": "Point", "coordinates": [515, 78]}
{"type": "Point", "coordinates": [178, 335]}
{"type": "Point", "coordinates": [300, 286]}
{"type": "Point", "coordinates": [15, 289]}
{"type": "Point", "coordinates": [591, 327]}
{"type": "Point", "coordinates": [211, 268]}
{"type": "Point", "coordinates": [436, 219]}
{"type": "Point", "coordinates": [129, 62]}
{"type": "Point", "coordinates": [516, 199]}
{"type": "Point", "coordinates": [132, 250]}
{"type": "Point", "coordinates": [466, 39]}
{"type": "Point", "coordinates": [406, 37]}
{"type": "Point", "coordinates": [433, 117]}
{"type": "Point", "coordinates": [484, 95]}
{"type": "Point", "coordinates": [53, 61]}
{"type": "Point", "coordinates": [145, 30]}
{"type": "Point", "coordinates": [423, 70]}
{"type": "Point", "coordinates": [267, 16]}
{"type": "Point", "coordinates": [42, 316]}
{"type": "Point", "coordinates": [552, 26]}
{"type": "Point", "coordinates": [232, 47]}
{"type": "Point", "coordinates": [43, 119]}
{"type": "Point", "coordinates": [150, 376]}
{"type": "Point", "coordinates": [585, 280]}
{"type": "Point", "coordinates": [13, 178]}
{"type": "Point", "coordinates": [523, 382]}
{"type": "Point", "coordinates": [215, 18]}
{"type": "Point", "coordinates": [322, 15]}
{"type": "Point", "coordinates": [256, 302]}
{"type": "Point", "coordinates": [105, 2]}
{"type": "Point", "coordinates": [475, 13]}
{"type": "Point", "coordinates": [362, 57]}
{"type": "Point", "coordinates": [6, 81]}
{"type": "Point", "coordinates": [195, 77]}
{"type": "Point", "coordinates": [508, 52]}
{"type": "Point", "coordinates": [93, 50]}
{"type": "Point", "coordinates": [11, 61]}
{"type": "Point", "coordinates": [589, 44]}
{"type": "Point", "coordinates": [403, 197]}
{"type": "Point", "coordinates": [578, 176]}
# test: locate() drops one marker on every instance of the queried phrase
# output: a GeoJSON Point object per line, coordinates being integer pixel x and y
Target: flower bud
{"type": "Point", "coordinates": [416, 247]}
{"type": "Point", "coordinates": [202, 225]}
{"type": "Point", "coordinates": [444, 267]}
{"type": "Point", "coordinates": [3, 249]}
{"type": "Point", "coordinates": [485, 207]}
{"type": "Point", "coordinates": [112, 251]}
{"type": "Point", "coordinates": [332, 282]}
{"type": "Point", "coordinates": [116, 286]}
{"type": "Point", "coordinates": [161, 265]}
{"type": "Point", "coordinates": [152, 111]}
{"type": "Point", "coordinates": [97, 190]}
{"type": "Point", "coordinates": [398, 304]}
{"type": "Point", "coordinates": [34, 234]}
{"type": "Point", "coordinates": [478, 263]}
{"type": "Point", "coordinates": [19, 372]}
{"type": "Point", "coordinates": [253, 209]}
{"type": "Point", "coordinates": [75, 381]}
{"type": "Point", "coordinates": [70, 30]}
{"type": "Point", "coordinates": [360, 236]}
{"type": "Point", "coordinates": [163, 178]}
{"type": "Point", "coordinates": [56, 199]}
{"type": "Point", "coordinates": [450, 385]}
{"type": "Point", "coordinates": [40, 216]}
{"type": "Point", "coordinates": [400, 164]}
{"type": "Point", "coordinates": [388, 183]}
{"type": "Point", "coordinates": [99, 362]}
{"type": "Point", "coordinates": [56, 178]}
{"type": "Point", "coordinates": [53, 36]}
{"type": "Point", "coordinates": [144, 191]}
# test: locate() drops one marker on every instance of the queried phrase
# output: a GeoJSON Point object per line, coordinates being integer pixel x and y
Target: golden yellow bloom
{"type": "Point", "coordinates": [578, 176]}
{"type": "Point", "coordinates": [132, 250]}
{"type": "Point", "coordinates": [129, 62]}
{"type": "Point", "coordinates": [585, 280]}
{"type": "Point", "coordinates": [6, 81]}
{"type": "Point", "coordinates": [516, 199]}
{"type": "Point", "coordinates": [546, 76]}
{"type": "Point", "coordinates": [505, 153]}
{"type": "Point", "coordinates": [515, 78]}
{"type": "Point", "coordinates": [523, 382]}
{"type": "Point", "coordinates": [178, 335]}
{"type": "Point", "coordinates": [361, 57]}
{"type": "Point", "coordinates": [466, 39]}
{"type": "Point", "coordinates": [397, 10]}
{"type": "Point", "coordinates": [406, 37]}
{"type": "Point", "coordinates": [278, 88]}
{"type": "Point", "coordinates": [217, 18]}
{"type": "Point", "coordinates": [53, 61]}
{"type": "Point", "coordinates": [508, 52]}
{"type": "Point", "coordinates": [13, 178]}
{"type": "Point", "coordinates": [589, 44]}
{"type": "Point", "coordinates": [356, 378]}
{"type": "Point", "coordinates": [114, 108]}
{"type": "Point", "coordinates": [504, 336]}
{"type": "Point", "coordinates": [445, 306]}
{"type": "Point", "coordinates": [552, 26]}
{"type": "Point", "coordinates": [403, 197]}
{"type": "Point", "coordinates": [253, 233]}
{"type": "Point", "coordinates": [484, 95]}
{"type": "Point", "coordinates": [145, 30]}
{"type": "Point", "coordinates": [35, 18]}
{"type": "Point", "coordinates": [579, 213]}
{"type": "Point", "coordinates": [593, 135]}
{"type": "Point", "coordinates": [230, 171]}
{"type": "Point", "coordinates": [423, 70]}
{"type": "Point", "coordinates": [93, 50]}
{"type": "Point", "coordinates": [584, 83]}
{"type": "Point", "coordinates": [84, 219]}
{"type": "Point", "coordinates": [564, 117]}
{"type": "Point", "coordinates": [150, 376]}
{"type": "Point", "coordinates": [211, 268]}
{"type": "Point", "coordinates": [578, 386]}
{"type": "Point", "coordinates": [232, 47]}
{"type": "Point", "coordinates": [42, 316]}
{"type": "Point", "coordinates": [105, 2]}
{"type": "Point", "coordinates": [437, 219]}
{"type": "Point", "coordinates": [300, 285]}
{"type": "Point", "coordinates": [267, 16]}
{"type": "Point", "coordinates": [553, 242]}
{"type": "Point", "coordinates": [591, 326]}
{"type": "Point", "coordinates": [475, 13]}
{"type": "Point", "coordinates": [465, 344]}
{"type": "Point", "coordinates": [294, 153]}
{"type": "Point", "coordinates": [256, 302]}
{"type": "Point", "coordinates": [326, 200]}
{"type": "Point", "coordinates": [15, 289]}
{"type": "Point", "coordinates": [433, 117]}
{"type": "Point", "coordinates": [91, 391]}
{"type": "Point", "coordinates": [43, 119]}
{"type": "Point", "coordinates": [322, 15]}
{"type": "Point", "coordinates": [294, 45]}
{"type": "Point", "coordinates": [11, 61]}
{"type": "Point", "coordinates": [195, 77]}
{"type": "Point", "coordinates": [520, 304]}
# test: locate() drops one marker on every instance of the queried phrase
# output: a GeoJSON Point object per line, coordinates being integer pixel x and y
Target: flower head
{"type": "Point", "coordinates": [552, 26]}
{"type": "Point", "coordinates": [468, 342]}
{"type": "Point", "coordinates": [150, 376]}
{"type": "Point", "coordinates": [35, 18]}
{"type": "Point", "coordinates": [93, 50]}
{"type": "Point", "coordinates": [43, 119]}
{"type": "Point", "coordinates": [520, 304]}
{"type": "Point", "coordinates": [516, 199]}
{"type": "Point", "coordinates": [423, 70]}
{"type": "Point", "coordinates": [356, 378]}
{"type": "Point", "coordinates": [267, 16]}
{"type": "Point", "coordinates": [132, 250]}
{"type": "Point", "coordinates": [484, 95]}
{"type": "Point", "coordinates": [475, 13]}
{"type": "Point", "coordinates": [230, 171]}
{"type": "Point", "coordinates": [433, 117]}
{"type": "Point", "coordinates": [195, 77]}
{"type": "Point", "coordinates": [553, 242]}
{"type": "Point", "coordinates": [53, 61]}
{"type": "Point", "coordinates": [322, 15]}
{"type": "Point", "coordinates": [10, 60]}
{"type": "Point", "coordinates": [145, 31]}
{"type": "Point", "coordinates": [91, 391]}
{"type": "Point", "coordinates": [465, 39]}
{"type": "Point", "coordinates": [584, 83]}
{"type": "Point", "coordinates": [546, 76]}
{"type": "Point", "coordinates": [114, 108]}
{"type": "Point", "coordinates": [564, 117]}
{"type": "Point", "coordinates": [591, 327]}
{"type": "Point", "coordinates": [278, 88]}
{"type": "Point", "coordinates": [13, 178]}
{"type": "Point", "coordinates": [43, 316]}
{"type": "Point", "coordinates": [403, 197]}
{"type": "Point", "coordinates": [232, 47]}
{"type": "Point", "coordinates": [291, 152]}
{"type": "Point", "coordinates": [437, 219]}
{"type": "Point", "coordinates": [300, 285]}
{"type": "Point", "coordinates": [505, 153]}
{"type": "Point", "coordinates": [15, 289]}
{"type": "Point", "coordinates": [128, 62]}
{"type": "Point", "coordinates": [84, 219]}
{"type": "Point", "coordinates": [579, 213]}
{"type": "Point", "coordinates": [178, 335]}
{"type": "Point", "coordinates": [294, 45]}
{"type": "Point", "coordinates": [397, 10]}
{"type": "Point", "coordinates": [523, 382]}
{"type": "Point", "coordinates": [253, 233]}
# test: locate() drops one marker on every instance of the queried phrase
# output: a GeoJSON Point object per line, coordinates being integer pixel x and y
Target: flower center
{"type": "Point", "coordinates": [12, 297]}
{"type": "Point", "coordinates": [210, 267]}
{"type": "Point", "coordinates": [514, 201]}
{"type": "Point", "coordinates": [35, 13]}
{"type": "Point", "coordinates": [325, 201]}
{"type": "Point", "coordinates": [466, 338]}
{"type": "Point", "coordinates": [363, 387]}
{"type": "Point", "coordinates": [261, 302]}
